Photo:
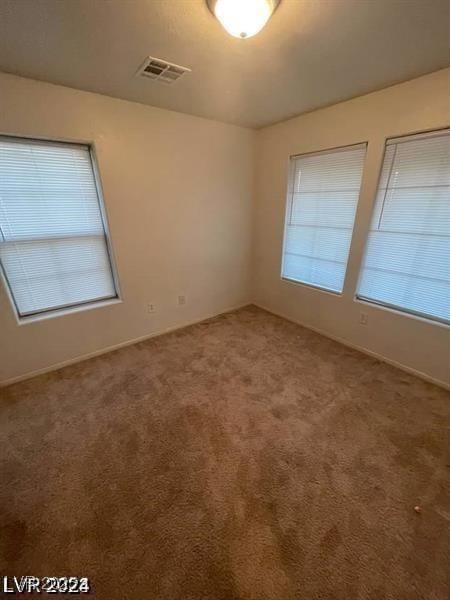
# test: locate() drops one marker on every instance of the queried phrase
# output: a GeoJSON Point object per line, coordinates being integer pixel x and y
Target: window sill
{"type": "Point", "coordinates": [66, 311]}
{"type": "Point", "coordinates": [403, 313]}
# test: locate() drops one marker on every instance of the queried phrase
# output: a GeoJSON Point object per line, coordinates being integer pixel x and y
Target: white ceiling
{"type": "Point", "coordinates": [312, 53]}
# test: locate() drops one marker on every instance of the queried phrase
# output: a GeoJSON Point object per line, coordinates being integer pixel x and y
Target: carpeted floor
{"type": "Point", "coordinates": [243, 458]}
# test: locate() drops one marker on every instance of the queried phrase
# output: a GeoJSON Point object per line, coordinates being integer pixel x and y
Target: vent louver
{"type": "Point", "coordinates": [161, 70]}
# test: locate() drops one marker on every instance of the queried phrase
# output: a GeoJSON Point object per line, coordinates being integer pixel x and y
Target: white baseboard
{"type": "Point", "coordinates": [362, 349]}
{"type": "Point", "coordinates": [72, 361]}
{"type": "Point", "coordinates": [77, 359]}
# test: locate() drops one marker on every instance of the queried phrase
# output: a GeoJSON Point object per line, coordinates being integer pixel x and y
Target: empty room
{"type": "Point", "coordinates": [225, 299]}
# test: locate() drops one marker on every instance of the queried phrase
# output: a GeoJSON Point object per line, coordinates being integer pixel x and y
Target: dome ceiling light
{"type": "Point", "coordinates": [243, 18]}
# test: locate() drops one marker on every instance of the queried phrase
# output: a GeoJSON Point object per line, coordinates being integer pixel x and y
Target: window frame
{"type": "Point", "coordinates": [411, 314]}
{"type": "Point", "coordinates": [66, 309]}
{"type": "Point", "coordinates": [288, 204]}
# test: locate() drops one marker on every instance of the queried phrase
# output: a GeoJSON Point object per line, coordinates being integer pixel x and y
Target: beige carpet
{"type": "Point", "coordinates": [244, 458]}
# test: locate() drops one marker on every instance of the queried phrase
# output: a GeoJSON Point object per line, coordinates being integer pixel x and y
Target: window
{"type": "Point", "coordinates": [323, 195]}
{"type": "Point", "coordinates": [407, 259]}
{"type": "Point", "coordinates": [53, 246]}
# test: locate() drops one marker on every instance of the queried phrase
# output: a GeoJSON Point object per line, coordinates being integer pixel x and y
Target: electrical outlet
{"type": "Point", "coordinates": [151, 308]}
{"type": "Point", "coordinates": [363, 318]}
{"type": "Point", "coordinates": [181, 299]}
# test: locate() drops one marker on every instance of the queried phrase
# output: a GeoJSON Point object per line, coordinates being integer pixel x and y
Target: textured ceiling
{"type": "Point", "coordinates": [311, 54]}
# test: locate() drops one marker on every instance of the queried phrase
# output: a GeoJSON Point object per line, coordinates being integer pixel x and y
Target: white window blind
{"type": "Point", "coordinates": [323, 195]}
{"type": "Point", "coordinates": [53, 246]}
{"type": "Point", "coordinates": [407, 258]}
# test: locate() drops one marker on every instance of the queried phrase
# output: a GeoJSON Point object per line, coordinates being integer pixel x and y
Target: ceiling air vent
{"type": "Point", "coordinates": [161, 70]}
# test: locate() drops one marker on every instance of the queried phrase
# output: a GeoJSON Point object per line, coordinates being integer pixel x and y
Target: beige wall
{"type": "Point", "coordinates": [410, 107]}
{"type": "Point", "coordinates": [177, 191]}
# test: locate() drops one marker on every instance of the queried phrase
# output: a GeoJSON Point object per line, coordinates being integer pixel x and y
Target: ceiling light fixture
{"type": "Point", "coordinates": [243, 18]}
